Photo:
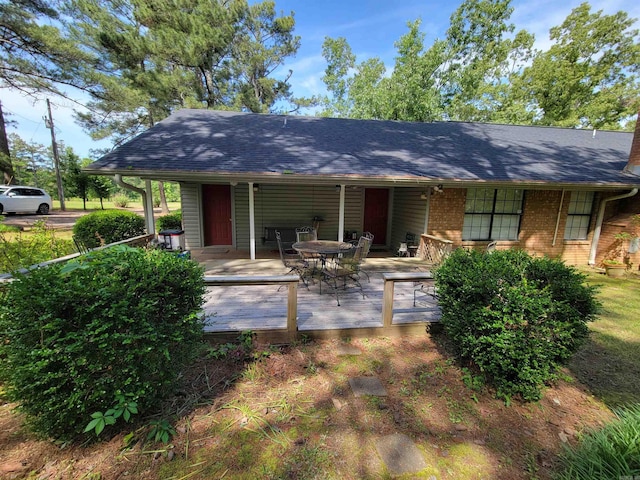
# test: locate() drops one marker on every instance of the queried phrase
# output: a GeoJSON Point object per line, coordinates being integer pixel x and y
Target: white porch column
{"type": "Point", "coordinates": [252, 223]}
{"type": "Point", "coordinates": [148, 209]}
{"type": "Point", "coordinates": [341, 215]}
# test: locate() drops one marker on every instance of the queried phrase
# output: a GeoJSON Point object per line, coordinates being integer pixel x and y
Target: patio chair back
{"type": "Point", "coordinates": [305, 234]}
{"type": "Point", "coordinates": [288, 257]}
{"type": "Point", "coordinates": [365, 242]}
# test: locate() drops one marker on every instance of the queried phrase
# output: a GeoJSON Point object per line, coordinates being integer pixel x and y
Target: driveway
{"type": "Point", "coordinates": [56, 219]}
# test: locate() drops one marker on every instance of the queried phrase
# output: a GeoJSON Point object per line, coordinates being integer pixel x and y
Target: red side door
{"type": "Point", "coordinates": [216, 214]}
{"type": "Point", "coordinates": [376, 211]}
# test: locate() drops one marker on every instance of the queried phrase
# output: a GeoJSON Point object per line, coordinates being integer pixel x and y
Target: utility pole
{"type": "Point", "coordinates": [56, 160]}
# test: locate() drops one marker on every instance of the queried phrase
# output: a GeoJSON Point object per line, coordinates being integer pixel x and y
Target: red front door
{"type": "Point", "coordinates": [216, 214]}
{"type": "Point", "coordinates": [376, 210]}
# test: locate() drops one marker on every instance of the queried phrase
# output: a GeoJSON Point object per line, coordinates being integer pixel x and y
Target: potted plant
{"type": "Point", "coordinates": [625, 242]}
{"type": "Point", "coordinates": [614, 268]}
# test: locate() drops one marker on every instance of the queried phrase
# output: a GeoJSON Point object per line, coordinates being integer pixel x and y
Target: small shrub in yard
{"type": "Point", "coordinates": [514, 317]}
{"type": "Point", "coordinates": [121, 201]}
{"type": "Point", "coordinates": [109, 332]}
{"type": "Point", "coordinates": [107, 226]}
{"type": "Point", "coordinates": [610, 453]}
{"type": "Point", "coordinates": [172, 221]}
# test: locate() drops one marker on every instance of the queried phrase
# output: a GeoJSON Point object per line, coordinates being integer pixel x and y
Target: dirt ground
{"type": "Point", "coordinates": [292, 415]}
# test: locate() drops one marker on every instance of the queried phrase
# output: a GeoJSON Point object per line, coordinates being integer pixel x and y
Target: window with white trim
{"type": "Point", "coordinates": [579, 216]}
{"type": "Point", "coordinates": [492, 214]}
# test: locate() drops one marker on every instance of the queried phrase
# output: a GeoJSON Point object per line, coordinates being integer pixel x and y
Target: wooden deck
{"type": "Point", "coordinates": [263, 308]}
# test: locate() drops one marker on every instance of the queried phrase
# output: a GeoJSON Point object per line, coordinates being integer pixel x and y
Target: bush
{"type": "Point", "coordinates": [23, 249]}
{"type": "Point", "coordinates": [107, 226]}
{"type": "Point", "coordinates": [121, 201]}
{"type": "Point", "coordinates": [610, 453]}
{"type": "Point", "coordinates": [172, 221]}
{"type": "Point", "coordinates": [516, 318]}
{"type": "Point", "coordinates": [114, 322]}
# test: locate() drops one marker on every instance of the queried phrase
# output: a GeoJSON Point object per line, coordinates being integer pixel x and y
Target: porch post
{"type": "Point", "coordinates": [148, 208]}
{"type": "Point", "coordinates": [341, 215]}
{"type": "Point", "coordinates": [252, 223]}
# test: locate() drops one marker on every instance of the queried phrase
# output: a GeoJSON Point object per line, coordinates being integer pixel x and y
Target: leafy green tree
{"type": "Point", "coordinates": [101, 187]}
{"type": "Point", "coordinates": [32, 163]}
{"type": "Point", "coordinates": [76, 182]}
{"type": "Point", "coordinates": [589, 76]}
{"type": "Point", "coordinates": [340, 60]}
{"type": "Point", "coordinates": [412, 90]}
{"type": "Point", "coordinates": [482, 63]}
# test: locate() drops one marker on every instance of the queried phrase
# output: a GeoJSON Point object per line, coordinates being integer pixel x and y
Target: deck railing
{"type": "Point", "coordinates": [140, 240]}
{"type": "Point", "coordinates": [291, 281]}
{"type": "Point", "coordinates": [434, 250]}
{"type": "Point", "coordinates": [390, 280]}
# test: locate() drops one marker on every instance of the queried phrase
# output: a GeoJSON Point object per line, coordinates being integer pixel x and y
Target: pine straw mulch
{"type": "Point", "coordinates": [292, 414]}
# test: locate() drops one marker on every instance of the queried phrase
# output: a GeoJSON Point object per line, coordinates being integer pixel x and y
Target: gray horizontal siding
{"type": "Point", "coordinates": [409, 211]}
{"type": "Point", "coordinates": [295, 206]}
{"type": "Point", "coordinates": [191, 214]}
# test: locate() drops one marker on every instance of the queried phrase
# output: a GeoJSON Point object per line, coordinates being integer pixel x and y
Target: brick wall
{"type": "Point", "coordinates": [537, 227]}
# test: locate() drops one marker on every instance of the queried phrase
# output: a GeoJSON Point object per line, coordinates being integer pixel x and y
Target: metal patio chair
{"type": "Point", "coordinates": [305, 234]}
{"type": "Point", "coordinates": [341, 269]}
{"type": "Point", "coordinates": [293, 261]}
{"type": "Point", "coordinates": [425, 292]}
{"type": "Point", "coordinates": [365, 242]}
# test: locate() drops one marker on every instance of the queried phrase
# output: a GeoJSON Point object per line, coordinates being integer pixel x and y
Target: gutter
{"type": "Point", "coordinates": [599, 221]}
{"type": "Point", "coordinates": [147, 201]}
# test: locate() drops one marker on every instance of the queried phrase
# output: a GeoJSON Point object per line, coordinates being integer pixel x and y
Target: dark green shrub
{"type": "Point", "coordinates": [24, 249]}
{"type": "Point", "coordinates": [171, 221]}
{"type": "Point", "coordinates": [610, 453]}
{"type": "Point", "coordinates": [107, 226]}
{"type": "Point", "coordinates": [516, 318]}
{"type": "Point", "coordinates": [119, 321]}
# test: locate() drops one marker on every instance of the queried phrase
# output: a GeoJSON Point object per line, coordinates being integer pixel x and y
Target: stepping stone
{"type": "Point", "coordinates": [400, 454]}
{"type": "Point", "coordinates": [343, 350]}
{"type": "Point", "coordinates": [367, 386]}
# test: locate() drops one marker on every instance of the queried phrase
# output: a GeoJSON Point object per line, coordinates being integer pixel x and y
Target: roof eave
{"type": "Point", "coordinates": [284, 178]}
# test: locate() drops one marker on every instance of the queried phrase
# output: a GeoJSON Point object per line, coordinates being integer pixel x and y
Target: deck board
{"type": "Point", "coordinates": [264, 307]}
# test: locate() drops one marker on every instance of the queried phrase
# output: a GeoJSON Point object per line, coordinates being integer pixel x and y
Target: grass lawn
{"type": "Point", "coordinates": [291, 414]}
{"type": "Point", "coordinates": [93, 204]}
{"type": "Point", "coordinates": [610, 361]}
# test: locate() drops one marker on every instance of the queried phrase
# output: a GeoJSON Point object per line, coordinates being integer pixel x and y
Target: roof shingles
{"type": "Point", "coordinates": [215, 142]}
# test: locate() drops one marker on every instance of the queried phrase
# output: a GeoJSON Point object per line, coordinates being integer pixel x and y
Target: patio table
{"type": "Point", "coordinates": [321, 247]}
{"type": "Point", "coordinates": [320, 250]}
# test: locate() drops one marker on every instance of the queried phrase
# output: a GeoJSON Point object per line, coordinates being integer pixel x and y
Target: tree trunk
{"type": "Point", "coordinates": [6, 167]}
{"type": "Point", "coordinates": [163, 198]}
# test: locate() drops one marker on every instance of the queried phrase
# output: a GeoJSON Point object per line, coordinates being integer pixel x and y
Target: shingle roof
{"type": "Point", "coordinates": [210, 143]}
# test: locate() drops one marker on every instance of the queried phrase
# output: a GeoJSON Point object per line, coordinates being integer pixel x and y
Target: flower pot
{"type": "Point", "coordinates": [615, 270]}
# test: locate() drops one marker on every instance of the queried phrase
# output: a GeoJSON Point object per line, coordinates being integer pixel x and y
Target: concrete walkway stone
{"type": "Point", "coordinates": [367, 386]}
{"type": "Point", "coordinates": [400, 454]}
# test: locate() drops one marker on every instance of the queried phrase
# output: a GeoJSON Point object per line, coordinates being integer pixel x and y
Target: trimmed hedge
{"type": "Point", "coordinates": [119, 321]}
{"type": "Point", "coordinates": [171, 221]}
{"type": "Point", "coordinates": [108, 226]}
{"type": "Point", "coordinates": [516, 318]}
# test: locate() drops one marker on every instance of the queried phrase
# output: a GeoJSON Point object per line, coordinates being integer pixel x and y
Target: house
{"type": "Point", "coordinates": [548, 190]}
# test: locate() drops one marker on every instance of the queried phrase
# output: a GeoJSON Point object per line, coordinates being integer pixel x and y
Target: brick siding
{"type": "Point", "coordinates": [537, 226]}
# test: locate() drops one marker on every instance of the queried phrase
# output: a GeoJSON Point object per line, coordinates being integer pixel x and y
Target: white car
{"type": "Point", "coordinates": [19, 199]}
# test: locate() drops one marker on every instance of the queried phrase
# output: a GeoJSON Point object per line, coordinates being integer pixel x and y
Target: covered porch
{"type": "Point", "coordinates": [387, 307]}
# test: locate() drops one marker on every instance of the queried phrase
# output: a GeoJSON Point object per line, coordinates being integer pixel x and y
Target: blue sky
{"type": "Point", "coordinates": [370, 26]}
